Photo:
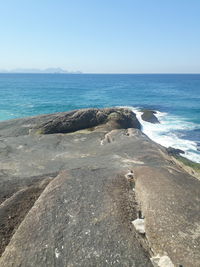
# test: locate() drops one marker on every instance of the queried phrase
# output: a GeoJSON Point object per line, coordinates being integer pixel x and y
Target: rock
{"type": "Point", "coordinates": [162, 261]}
{"type": "Point", "coordinates": [165, 262]}
{"type": "Point", "coordinates": [174, 151]}
{"type": "Point", "coordinates": [67, 199]}
{"type": "Point", "coordinates": [71, 224]}
{"type": "Point", "coordinates": [139, 225]}
{"type": "Point", "coordinates": [89, 118]}
{"type": "Point", "coordinates": [66, 122]}
{"type": "Point", "coordinates": [164, 195]}
{"type": "Point", "coordinates": [148, 115]}
{"type": "Point", "coordinates": [17, 207]}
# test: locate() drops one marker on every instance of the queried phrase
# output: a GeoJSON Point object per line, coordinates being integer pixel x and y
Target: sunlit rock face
{"type": "Point", "coordinates": [72, 183]}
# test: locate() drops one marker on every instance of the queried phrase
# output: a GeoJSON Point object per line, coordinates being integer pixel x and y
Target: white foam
{"type": "Point", "coordinates": [165, 133]}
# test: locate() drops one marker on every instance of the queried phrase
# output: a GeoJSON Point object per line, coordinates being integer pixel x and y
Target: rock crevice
{"type": "Point", "coordinates": [14, 209]}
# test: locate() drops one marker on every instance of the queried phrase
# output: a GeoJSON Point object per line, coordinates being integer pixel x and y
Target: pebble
{"type": "Point", "coordinates": [139, 225]}
{"type": "Point", "coordinates": [162, 261]}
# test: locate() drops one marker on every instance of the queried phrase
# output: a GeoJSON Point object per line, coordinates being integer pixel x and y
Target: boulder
{"type": "Point", "coordinates": [139, 225]}
{"type": "Point", "coordinates": [89, 118]}
{"type": "Point", "coordinates": [71, 121]}
{"type": "Point", "coordinates": [162, 261]}
{"type": "Point", "coordinates": [149, 116]}
{"type": "Point", "coordinates": [174, 151]}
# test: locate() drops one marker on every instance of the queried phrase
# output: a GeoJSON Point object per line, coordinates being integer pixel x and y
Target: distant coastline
{"type": "Point", "coordinates": [54, 71]}
{"type": "Point", "coordinates": [39, 71]}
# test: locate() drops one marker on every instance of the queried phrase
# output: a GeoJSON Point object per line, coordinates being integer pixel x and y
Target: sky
{"type": "Point", "coordinates": [101, 36]}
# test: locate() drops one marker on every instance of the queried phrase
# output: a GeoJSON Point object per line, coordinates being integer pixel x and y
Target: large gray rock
{"type": "Point", "coordinates": [89, 118]}
{"type": "Point", "coordinates": [74, 225]}
{"type": "Point", "coordinates": [66, 122]}
{"type": "Point", "coordinates": [77, 196]}
{"type": "Point", "coordinates": [174, 151]}
{"type": "Point", "coordinates": [149, 116]}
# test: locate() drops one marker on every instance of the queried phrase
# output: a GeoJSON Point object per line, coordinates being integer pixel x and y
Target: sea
{"type": "Point", "coordinates": [175, 97]}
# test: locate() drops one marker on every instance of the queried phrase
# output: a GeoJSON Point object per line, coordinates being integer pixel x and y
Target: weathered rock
{"type": "Point", "coordinates": [74, 225]}
{"type": "Point", "coordinates": [174, 151]}
{"type": "Point", "coordinates": [15, 208]}
{"type": "Point", "coordinates": [66, 122]}
{"type": "Point", "coordinates": [89, 118]}
{"type": "Point", "coordinates": [162, 261]}
{"type": "Point", "coordinates": [169, 199]}
{"type": "Point", "coordinates": [139, 225]}
{"type": "Point", "coordinates": [83, 216]}
{"type": "Point", "coordinates": [148, 115]}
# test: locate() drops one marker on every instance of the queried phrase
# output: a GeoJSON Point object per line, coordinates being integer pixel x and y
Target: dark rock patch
{"type": "Point", "coordinates": [148, 115]}
{"type": "Point", "coordinates": [14, 209]}
{"type": "Point", "coordinates": [10, 185]}
{"type": "Point", "coordinates": [112, 118]}
{"type": "Point", "coordinates": [174, 151]}
{"type": "Point", "coordinates": [66, 122]}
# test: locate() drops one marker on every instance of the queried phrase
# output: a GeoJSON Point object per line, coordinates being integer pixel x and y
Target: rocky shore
{"type": "Point", "coordinates": [88, 188]}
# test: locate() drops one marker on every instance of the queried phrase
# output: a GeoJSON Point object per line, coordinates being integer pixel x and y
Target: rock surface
{"type": "Point", "coordinates": [148, 115]}
{"type": "Point", "coordinates": [68, 199]}
{"type": "Point", "coordinates": [139, 225]}
{"type": "Point", "coordinates": [66, 122]}
{"type": "Point", "coordinates": [162, 261]}
{"type": "Point", "coordinates": [174, 151]}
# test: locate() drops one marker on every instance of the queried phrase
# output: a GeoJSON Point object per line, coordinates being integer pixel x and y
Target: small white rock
{"type": "Point", "coordinates": [162, 261]}
{"type": "Point", "coordinates": [165, 261]}
{"type": "Point", "coordinates": [57, 253]}
{"type": "Point", "coordinates": [139, 225]}
{"type": "Point", "coordinates": [129, 175]}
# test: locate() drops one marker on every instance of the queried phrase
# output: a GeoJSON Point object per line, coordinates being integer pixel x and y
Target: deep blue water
{"type": "Point", "coordinates": [178, 95]}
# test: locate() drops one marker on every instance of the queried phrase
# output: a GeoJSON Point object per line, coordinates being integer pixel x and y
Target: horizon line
{"type": "Point", "coordinates": [105, 73]}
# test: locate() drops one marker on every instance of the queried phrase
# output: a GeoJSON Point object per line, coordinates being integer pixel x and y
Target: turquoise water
{"type": "Point", "coordinates": [177, 97]}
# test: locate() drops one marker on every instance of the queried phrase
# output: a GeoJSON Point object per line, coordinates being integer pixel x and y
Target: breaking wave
{"type": "Point", "coordinates": [170, 133]}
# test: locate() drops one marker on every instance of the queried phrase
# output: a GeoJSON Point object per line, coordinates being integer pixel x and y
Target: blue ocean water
{"type": "Point", "coordinates": [175, 96]}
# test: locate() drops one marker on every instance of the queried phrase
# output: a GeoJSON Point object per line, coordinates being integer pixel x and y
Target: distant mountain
{"type": "Point", "coordinates": [48, 70]}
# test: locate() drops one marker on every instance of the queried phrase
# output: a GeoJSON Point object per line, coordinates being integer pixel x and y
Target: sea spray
{"type": "Point", "coordinates": [167, 133]}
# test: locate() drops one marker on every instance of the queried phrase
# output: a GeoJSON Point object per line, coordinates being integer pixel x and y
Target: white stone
{"type": "Point", "coordinates": [57, 253]}
{"type": "Point", "coordinates": [129, 175]}
{"type": "Point", "coordinates": [165, 261]}
{"type": "Point", "coordinates": [139, 225]}
{"type": "Point", "coordinates": [162, 261]}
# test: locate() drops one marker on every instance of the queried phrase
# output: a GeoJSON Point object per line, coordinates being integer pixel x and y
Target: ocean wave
{"type": "Point", "coordinates": [167, 133]}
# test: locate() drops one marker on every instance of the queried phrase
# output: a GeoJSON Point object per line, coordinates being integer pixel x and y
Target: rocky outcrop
{"type": "Point", "coordinates": [66, 122]}
{"type": "Point", "coordinates": [149, 116]}
{"type": "Point", "coordinates": [14, 209]}
{"type": "Point", "coordinates": [70, 199]}
{"type": "Point", "coordinates": [174, 151]}
{"type": "Point", "coordinates": [89, 118]}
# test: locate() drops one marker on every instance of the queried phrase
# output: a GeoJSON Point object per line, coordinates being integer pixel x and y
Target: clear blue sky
{"type": "Point", "coordinates": [101, 36]}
